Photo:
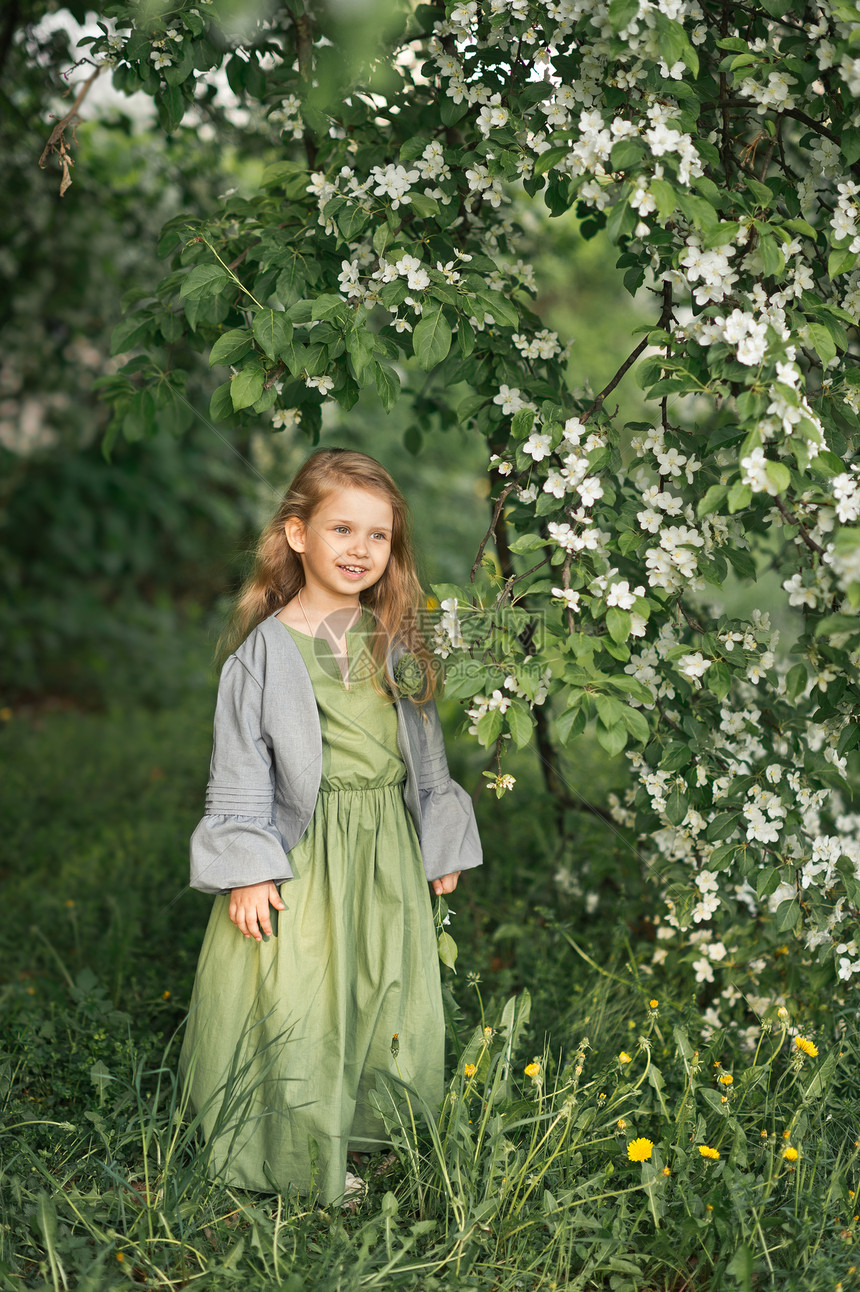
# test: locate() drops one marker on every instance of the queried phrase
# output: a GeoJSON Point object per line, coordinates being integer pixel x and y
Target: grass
{"type": "Point", "coordinates": [557, 1063]}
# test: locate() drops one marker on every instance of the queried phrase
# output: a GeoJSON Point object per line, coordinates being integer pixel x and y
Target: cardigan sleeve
{"type": "Point", "coordinates": [449, 830]}
{"type": "Point", "coordinates": [237, 841]}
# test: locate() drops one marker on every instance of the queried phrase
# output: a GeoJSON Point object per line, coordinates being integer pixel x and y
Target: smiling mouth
{"type": "Point", "coordinates": [353, 569]}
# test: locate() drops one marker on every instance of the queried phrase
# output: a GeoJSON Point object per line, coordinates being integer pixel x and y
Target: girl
{"type": "Point", "coordinates": [328, 807]}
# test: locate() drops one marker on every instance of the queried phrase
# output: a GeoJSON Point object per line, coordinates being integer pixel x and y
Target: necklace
{"type": "Point", "coordinates": [344, 653]}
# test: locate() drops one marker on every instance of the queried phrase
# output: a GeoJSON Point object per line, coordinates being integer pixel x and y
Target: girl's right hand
{"type": "Point", "coordinates": [249, 908]}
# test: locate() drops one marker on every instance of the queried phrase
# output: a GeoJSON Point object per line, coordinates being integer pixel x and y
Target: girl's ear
{"type": "Point", "coordinates": [294, 528]}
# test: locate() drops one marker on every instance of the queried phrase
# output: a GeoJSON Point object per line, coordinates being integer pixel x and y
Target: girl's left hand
{"type": "Point", "coordinates": [445, 884]}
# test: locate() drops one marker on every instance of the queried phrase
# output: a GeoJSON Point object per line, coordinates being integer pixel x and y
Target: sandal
{"type": "Point", "coordinates": [354, 1190]}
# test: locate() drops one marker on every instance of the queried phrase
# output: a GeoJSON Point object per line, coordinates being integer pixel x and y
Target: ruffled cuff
{"type": "Point", "coordinates": [232, 850]}
{"type": "Point", "coordinates": [449, 831]}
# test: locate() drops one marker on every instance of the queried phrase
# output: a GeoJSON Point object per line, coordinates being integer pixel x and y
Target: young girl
{"type": "Point", "coordinates": [328, 808]}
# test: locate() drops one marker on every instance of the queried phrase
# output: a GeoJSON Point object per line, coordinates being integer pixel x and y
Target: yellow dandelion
{"type": "Point", "coordinates": [621, 1124]}
{"type": "Point", "coordinates": [790, 1154]}
{"type": "Point", "coordinates": [652, 1004]}
{"type": "Point", "coordinates": [624, 1057]}
{"type": "Point", "coordinates": [786, 1134]}
{"type": "Point", "coordinates": [763, 1134]}
{"type": "Point", "coordinates": [806, 1047]}
{"type": "Point", "coordinates": [709, 1206]}
{"type": "Point", "coordinates": [120, 1257]}
{"type": "Point", "coordinates": [706, 1151]}
{"type": "Point", "coordinates": [165, 995]}
{"type": "Point", "coordinates": [469, 1070]}
{"type": "Point", "coordinates": [666, 1171]}
{"type": "Point", "coordinates": [639, 1150]}
{"type": "Point", "coordinates": [533, 1070]}
{"type": "Point", "coordinates": [726, 1079]}
{"type": "Point", "coordinates": [488, 1032]}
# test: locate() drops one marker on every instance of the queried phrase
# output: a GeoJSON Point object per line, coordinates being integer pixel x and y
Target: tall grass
{"type": "Point", "coordinates": [522, 1179]}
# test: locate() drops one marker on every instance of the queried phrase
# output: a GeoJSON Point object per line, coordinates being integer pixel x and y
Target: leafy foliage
{"type": "Point", "coordinates": [718, 149]}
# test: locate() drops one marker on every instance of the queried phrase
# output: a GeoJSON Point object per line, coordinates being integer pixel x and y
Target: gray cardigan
{"type": "Point", "coordinates": [267, 766]}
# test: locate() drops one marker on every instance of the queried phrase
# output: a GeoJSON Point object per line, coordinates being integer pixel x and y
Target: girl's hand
{"type": "Point", "coordinates": [249, 908]}
{"type": "Point", "coordinates": [446, 884]}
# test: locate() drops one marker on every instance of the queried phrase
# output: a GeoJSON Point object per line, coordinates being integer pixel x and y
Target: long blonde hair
{"type": "Point", "coordinates": [395, 599]}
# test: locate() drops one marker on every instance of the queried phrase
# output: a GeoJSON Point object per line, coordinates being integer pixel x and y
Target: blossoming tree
{"type": "Point", "coordinates": [719, 146]}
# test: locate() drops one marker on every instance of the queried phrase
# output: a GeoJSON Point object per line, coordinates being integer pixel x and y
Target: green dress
{"type": "Point", "coordinates": [285, 1037]}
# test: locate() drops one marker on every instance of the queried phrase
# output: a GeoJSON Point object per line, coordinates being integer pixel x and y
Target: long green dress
{"type": "Point", "coordinates": [285, 1036]}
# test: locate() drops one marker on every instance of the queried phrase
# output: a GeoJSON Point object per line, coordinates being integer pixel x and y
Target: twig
{"type": "Point", "coordinates": [57, 142]}
{"type": "Point", "coordinates": [500, 502]}
{"type": "Point", "coordinates": [663, 321]}
{"type": "Point", "coordinates": [793, 520]}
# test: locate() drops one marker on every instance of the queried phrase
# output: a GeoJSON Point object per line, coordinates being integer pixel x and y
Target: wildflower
{"type": "Point", "coordinates": [165, 995]}
{"type": "Point", "coordinates": [652, 1004]}
{"type": "Point", "coordinates": [395, 1045]}
{"type": "Point", "coordinates": [726, 1079]}
{"type": "Point", "coordinates": [666, 1171]}
{"type": "Point", "coordinates": [469, 1070]}
{"type": "Point", "coordinates": [712, 1153]}
{"type": "Point", "coordinates": [790, 1154]}
{"type": "Point", "coordinates": [70, 901]}
{"type": "Point", "coordinates": [533, 1070]}
{"type": "Point", "coordinates": [488, 1033]}
{"type": "Point", "coordinates": [624, 1057]}
{"type": "Point", "coordinates": [120, 1257]}
{"type": "Point", "coordinates": [621, 1124]}
{"type": "Point", "coordinates": [806, 1046]}
{"type": "Point", "coordinates": [639, 1150]}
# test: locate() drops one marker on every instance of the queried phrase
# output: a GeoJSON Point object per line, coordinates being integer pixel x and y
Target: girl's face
{"type": "Point", "coordinates": [347, 543]}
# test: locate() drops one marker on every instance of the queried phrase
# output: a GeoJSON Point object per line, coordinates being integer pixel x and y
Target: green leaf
{"type": "Point", "coordinates": [762, 194]}
{"type": "Point", "coordinates": [447, 948]}
{"type": "Point", "coordinates": [722, 826]}
{"type": "Point", "coordinates": [127, 334]}
{"type": "Point", "coordinates": [787, 915]}
{"type": "Point", "coordinates": [204, 281]}
{"type": "Point", "coordinates": [622, 13]}
{"type": "Point", "coordinates": [221, 403]}
{"type": "Point", "coordinates": [740, 496]}
{"type": "Point", "coordinates": [637, 724]}
{"type": "Point", "coordinates": [841, 261]}
{"type": "Point", "coordinates": [504, 312]}
{"type": "Point", "coordinates": [772, 259]}
{"type": "Point", "coordinates": [677, 806]}
{"type": "Point", "coordinates": [520, 724]}
{"type": "Point", "coordinates": [351, 220]}
{"type": "Point", "coordinates": [489, 726]}
{"type": "Point", "coordinates": [626, 153]}
{"type": "Point", "coordinates": [231, 347]}
{"type": "Point", "coordinates": [431, 339]}
{"type": "Point", "coordinates": [613, 739]}
{"type": "Point", "coordinates": [387, 385]}
{"type": "Point", "coordinates": [619, 623]}
{"type": "Point", "coordinates": [550, 158]}
{"type": "Point", "coordinates": [665, 197]}
{"type": "Point", "coordinates": [247, 386]}
{"type": "Point", "coordinates": [741, 1265]}
{"type": "Point", "coordinates": [779, 474]}
{"type": "Point", "coordinates": [718, 679]}
{"type": "Point", "coordinates": [822, 341]}
{"type": "Point", "coordinates": [273, 332]}
{"type": "Point", "coordinates": [712, 501]}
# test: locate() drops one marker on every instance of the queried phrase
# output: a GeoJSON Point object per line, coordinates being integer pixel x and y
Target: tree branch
{"type": "Point", "coordinates": [57, 141]}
